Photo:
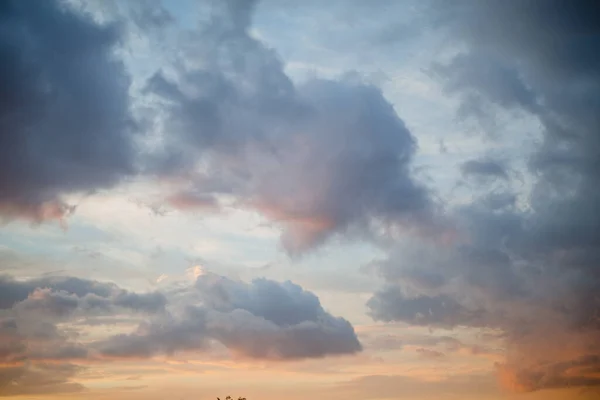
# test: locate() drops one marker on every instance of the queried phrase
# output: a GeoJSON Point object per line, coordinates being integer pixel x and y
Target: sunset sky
{"type": "Point", "coordinates": [300, 199]}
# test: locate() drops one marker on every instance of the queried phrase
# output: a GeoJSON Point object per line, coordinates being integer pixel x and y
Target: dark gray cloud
{"type": "Point", "coordinates": [429, 353]}
{"type": "Point", "coordinates": [150, 15]}
{"type": "Point", "coordinates": [391, 305]}
{"type": "Point", "coordinates": [579, 372]}
{"type": "Point", "coordinates": [64, 113]}
{"type": "Point", "coordinates": [190, 201]}
{"type": "Point", "coordinates": [13, 291]}
{"type": "Point", "coordinates": [263, 319]}
{"type": "Point", "coordinates": [531, 272]}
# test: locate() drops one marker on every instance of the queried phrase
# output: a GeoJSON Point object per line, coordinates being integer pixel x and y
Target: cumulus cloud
{"type": "Point", "coordinates": [263, 320]}
{"type": "Point", "coordinates": [64, 109]}
{"type": "Point", "coordinates": [392, 305]}
{"type": "Point", "coordinates": [267, 319]}
{"type": "Point", "coordinates": [530, 272]}
{"type": "Point", "coordinates": [318, 158]}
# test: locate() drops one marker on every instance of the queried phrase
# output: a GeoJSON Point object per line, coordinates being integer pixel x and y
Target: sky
{"type": "Point", "coordinates": [383, 199]}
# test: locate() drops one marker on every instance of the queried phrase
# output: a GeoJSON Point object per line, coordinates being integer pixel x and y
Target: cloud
{"type": "Point", "coordinates": [186, 201]}
{"type": "Point", "coordinates": [64, 109]}
{"type": "Point", "coordinates": [45, 323]}
{"type": "Point", "coordinates": [318, 158]}
{"type": "Point", "coordinates": [38, 380]}
{"type": "Point", "coordinates": [276, 320]}
{"type": "Point", "coordinates": [262, 320]}
{"type": "Point", "coordinates": [529, 271]}
{"type": "Point", "coordinates": [64, 294]}
{"type": "Point", "coordinates": [40, 352]}
{"type": "Point", "coordinates": [486, 168]}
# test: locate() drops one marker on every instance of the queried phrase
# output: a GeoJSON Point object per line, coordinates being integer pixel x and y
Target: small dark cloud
{"type": "Point", "coordinates": [189, 201]}
{"type": "Point", "coordinates": [392, 304]}
{"type": "Point", "coordinates": [470, 74]}
{"type": "Point", "coordinates": [162, 336]}
{"type": "Point", "coordinates": [429, 353]}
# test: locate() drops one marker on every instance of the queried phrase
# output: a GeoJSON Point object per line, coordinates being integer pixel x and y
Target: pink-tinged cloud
{"type": "Point", "coordinates": [41, 319]}
{"type": "Point", "coordinates": [188, 201]}
{"type": "Point", "coordinates": [36, 213]}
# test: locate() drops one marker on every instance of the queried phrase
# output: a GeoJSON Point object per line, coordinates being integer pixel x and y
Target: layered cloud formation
{"type": "Point", "coordinates": [46, 326]}
{"type": "Point", "coordinates": [222, 122]}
